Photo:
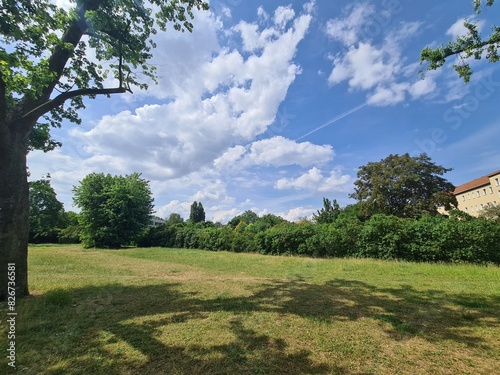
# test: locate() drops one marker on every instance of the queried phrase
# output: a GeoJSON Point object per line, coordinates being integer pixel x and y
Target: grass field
{"type": "Point", "coordinates": [177, 311]}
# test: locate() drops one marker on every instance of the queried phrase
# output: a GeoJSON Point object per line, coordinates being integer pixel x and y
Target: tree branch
{"type": "Point", "coordinates": [61, 98]}
{"type": "Point", "coordinates": [59, 58]}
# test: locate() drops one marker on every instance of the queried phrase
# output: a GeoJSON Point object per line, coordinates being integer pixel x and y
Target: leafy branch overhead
{"type": "Point", "coordinates": [47, 62]}
{"type": "Point", "coordinates": [472, 44]}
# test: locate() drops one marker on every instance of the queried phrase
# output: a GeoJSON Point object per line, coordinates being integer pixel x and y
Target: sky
{"type": "Point", "coordinates": [271, 106]}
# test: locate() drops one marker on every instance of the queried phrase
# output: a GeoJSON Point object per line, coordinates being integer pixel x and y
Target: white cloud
{"type": "Point", "coordinates": [226, 11]}
{"type": "Point", "coordinates": [404, 31]}
{"type": "Point", "coordinates": [348, 29]}
{"type": "Point", "coordinates": [230, 158]}
{"type": "Point", "coordinates": [283, 15]}
{"type": "Point", "coordinates": [364, 67]}
{"type": "Point", "coordinates": [422, 87]}
{"type": "Point", "coordinates": [229, 100]}
{"type": "Point", "coordinates": [310, 6]}
{"type": "Point", "coordinates": [277, 152]}
{"type": "Point", "coordinates": [379, 68]}
{"type": "Point", "coordinates": [175, 206]}
{"type": "Point", "coordinates": [315, 181]}
{"type": "Point", "coordinates": [458, 29]}
{"type": "Point", "coordinates": [263, 15]}
{"type": "Point", "coordinates": [298, 213]}
{"type": "Point", "coordinates": [388, 95]}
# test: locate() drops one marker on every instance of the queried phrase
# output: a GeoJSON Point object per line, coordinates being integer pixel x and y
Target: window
{"type": "Point", "coordinates": [497, 183]}
{"type": "Point", "coordinates": [482, 207]}
{"type": "Point", "coordinates": [484, 191]}
{"type": "Point", "coordinates": [463, 198]}
{"type": "Point", "coordinates": [478, 193]}
{"type": "Point", "coordinates": [466, 210]}
{"type": "Point", "coordinates": [491, 190]}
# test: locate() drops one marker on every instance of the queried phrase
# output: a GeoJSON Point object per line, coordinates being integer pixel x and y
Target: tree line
{"type": "Point", "coordinates": [396, 217]}
{"type": "Point", "coordinates": [427, 239]}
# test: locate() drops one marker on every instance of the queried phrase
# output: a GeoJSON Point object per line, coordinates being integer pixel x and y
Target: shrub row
{"type": "Point", "coordinates": [429, 239]}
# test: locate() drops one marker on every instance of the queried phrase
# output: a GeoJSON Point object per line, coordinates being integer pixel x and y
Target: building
{"type": "Point", "coordinates": [156, 222]}
{"type": "Point", "coordinates": [478, 194]}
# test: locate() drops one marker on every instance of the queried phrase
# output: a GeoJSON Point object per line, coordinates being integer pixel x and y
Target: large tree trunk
{"type": "Point", "coordinates": [14, 208]}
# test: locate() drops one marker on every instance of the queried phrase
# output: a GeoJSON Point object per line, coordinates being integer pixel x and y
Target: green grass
{"type": "Point", "coordinates": [177, 311]}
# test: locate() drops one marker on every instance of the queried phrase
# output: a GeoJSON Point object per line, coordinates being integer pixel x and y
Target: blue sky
{"type": "Point", "coordinates": [270, 106]}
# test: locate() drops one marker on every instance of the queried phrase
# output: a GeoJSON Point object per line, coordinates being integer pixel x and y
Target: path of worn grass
{"type": "Point", "coordinates": [165, 311]}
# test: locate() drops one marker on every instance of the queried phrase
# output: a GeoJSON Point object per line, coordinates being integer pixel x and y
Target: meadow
{"type": "Point", "coordinates": [178, 311]}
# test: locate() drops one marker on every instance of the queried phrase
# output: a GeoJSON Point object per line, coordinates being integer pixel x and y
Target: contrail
{"type": "Point", "coordinates": [335, 119]}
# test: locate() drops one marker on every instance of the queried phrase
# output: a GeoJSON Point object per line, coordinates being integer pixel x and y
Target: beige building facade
{"type": "Point", "coordinates": [476, 195]}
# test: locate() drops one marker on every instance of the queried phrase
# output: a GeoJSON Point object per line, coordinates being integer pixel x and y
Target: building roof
{"type": "Point", "coordinates": [474, 184]}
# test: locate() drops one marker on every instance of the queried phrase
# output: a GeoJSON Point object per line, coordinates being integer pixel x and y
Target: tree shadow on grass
{"type": "Point", "coordinates": [83, 331]}
{"type": "Point", "coordinates": [117, 329]}
{"type": "Point", "coordinates": [432, 315]}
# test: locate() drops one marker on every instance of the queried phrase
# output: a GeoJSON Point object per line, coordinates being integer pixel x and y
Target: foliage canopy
{"type": "Point", "coordinates": [114, 209]}
{"type": "Point", "coordinates": [46, 212]}
{"type": "Point", "coordinates": [48, 51]}
{"type": "Point", "coordinates": [329, 212]}
{"type": "Point", "coordinates": [403, 186]}
{"type": "Point", "coordinates": [197, 213]}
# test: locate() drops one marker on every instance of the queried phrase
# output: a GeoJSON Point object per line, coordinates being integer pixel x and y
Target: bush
{"type": "Point", "coordinates": [160, 236]}
{"type": "Point", "coordinates": [428, 239]}
{"type": "Point", "coordinates": [424, 238]}
{"type": "Point", "coordinates": [216, 239]}
{"type": "Point", "coordinates": [70, 234]}
{"type": "Point", "coordinates": [285, 239]}
{"type": "Point", "coordinates": [382, 237]}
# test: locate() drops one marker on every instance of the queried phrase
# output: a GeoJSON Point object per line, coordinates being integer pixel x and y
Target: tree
{"type": "Point", "coordinates": [46, 212]}
{"type": "Point", "coordinates": [248, 217]}
{"type": "Point", "coordinates": [403, 186]}
{"type": "Point", "coordinates": [114, 209]}
{"type": "Point", "coordinates": [197, 213]}
{"type": "Point", "coordinates": [72, 231]}
{"type": "Point", "coordinates": [469, 45]}
{"type": "Point", "coordinates": [329, 213]}
{"type": "Point", "coordinates": [44, 66]}
{"type": "Point", "coordinates": [173, 219]}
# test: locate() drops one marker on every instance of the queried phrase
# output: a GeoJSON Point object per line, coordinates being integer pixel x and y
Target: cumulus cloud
{"type": "Point", "coordinates": [374, 64]}
{"type": "Point", "coordinates": [277, 152]}
{"type": "Point", "coordinates": [298, 213]}
{"type": "Point", "coordinates": [365, 66]}
{"type": "Point", "coordinates": [314, 180]}
{"type": "Point", "coordinates": [230, 99]}
{"type": "Point", "coordinates": [283, 15]}
{"type": "Point", "coordinates": [348, 29]}
{"type": "Point", "coordinates": [388, 95]}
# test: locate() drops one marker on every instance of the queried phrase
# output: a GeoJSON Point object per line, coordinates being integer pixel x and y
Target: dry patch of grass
{"type": "Point", "coordinates": [166, 311]}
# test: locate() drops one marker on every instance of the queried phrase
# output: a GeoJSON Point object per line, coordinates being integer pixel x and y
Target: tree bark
{"type": "Point", "coordinates": [14, 208]}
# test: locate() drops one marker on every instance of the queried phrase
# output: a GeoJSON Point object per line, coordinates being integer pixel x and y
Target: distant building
{"type": "Point", "coordinates": [478, 194]}
{"type": "Point", "coordinates": [156, 222]}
